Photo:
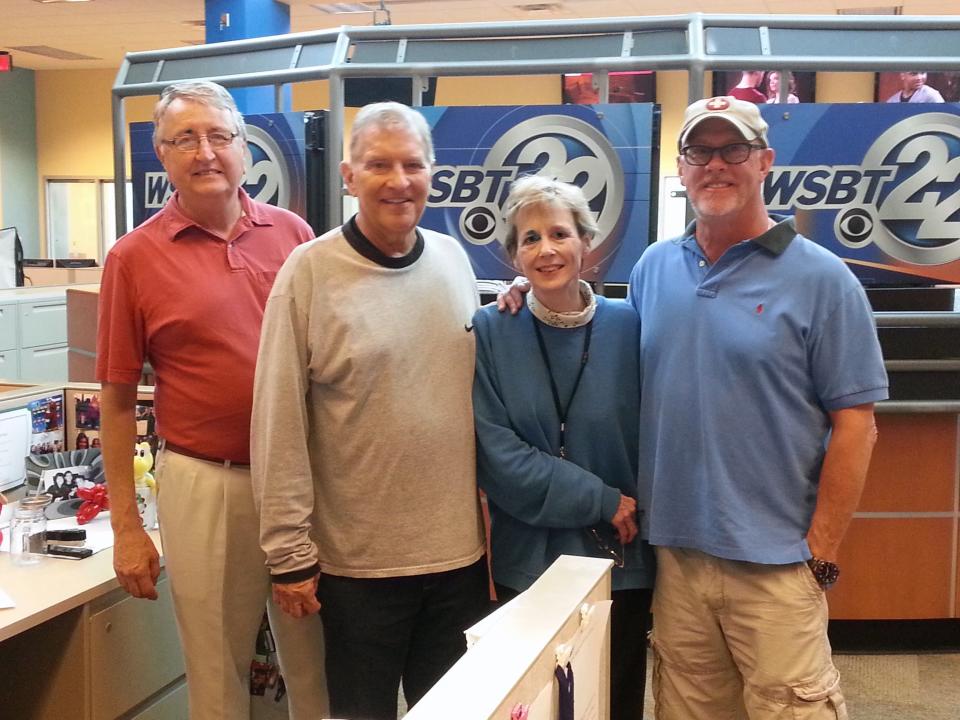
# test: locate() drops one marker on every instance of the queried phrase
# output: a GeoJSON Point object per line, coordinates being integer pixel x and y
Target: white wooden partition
{"type": "Point", "coordinates": [515, 657]}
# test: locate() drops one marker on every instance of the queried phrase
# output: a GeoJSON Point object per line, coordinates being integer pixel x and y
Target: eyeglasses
{"type": "Point", "coordinates": [190, 142]}
{"type": "Point", "coordinates": [732, 154]}
{"type": "Point", "coordinates": [616, 554]}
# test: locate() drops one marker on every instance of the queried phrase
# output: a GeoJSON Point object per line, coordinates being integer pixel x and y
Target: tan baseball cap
{"type": "Point", "coordinates": [743, 115]}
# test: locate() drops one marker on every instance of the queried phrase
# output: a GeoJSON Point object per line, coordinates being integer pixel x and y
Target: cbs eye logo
{"type": "Point", "coordinates": [853, 227]}
{"type": "Point", "coordinates": [916, 216]}
{"type": "Point", "coordinates": [479, 224]}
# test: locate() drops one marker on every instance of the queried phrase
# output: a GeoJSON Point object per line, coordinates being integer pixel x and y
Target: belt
{"type": "Point", "coordinates": [166, 445]}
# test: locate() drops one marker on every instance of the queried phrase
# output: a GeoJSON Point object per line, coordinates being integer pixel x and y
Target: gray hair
{"type": "Point", "coordinates": [534, 190]}
{"type": "Point", "coordinates": [382, 115]}
{"type": "Point", "coordinates": [198, 91]}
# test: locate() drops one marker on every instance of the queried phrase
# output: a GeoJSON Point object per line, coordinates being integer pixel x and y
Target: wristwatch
{"type": "Point", "coordinates": [824, 571]}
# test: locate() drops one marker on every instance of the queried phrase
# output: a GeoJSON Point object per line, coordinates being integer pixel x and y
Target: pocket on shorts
{"type": "Point", "coordinates": [821, 699]}
{"type": "Point", "coordinates": [655, 676]}
{"type": "Point", "coordinates": [809, 580]}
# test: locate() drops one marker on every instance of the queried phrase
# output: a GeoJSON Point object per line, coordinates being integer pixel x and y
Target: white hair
{"type": "Point", "coordinates": [386, 114]}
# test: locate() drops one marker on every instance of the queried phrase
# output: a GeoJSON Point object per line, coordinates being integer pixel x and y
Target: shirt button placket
{"type": "Point", "coordinates": [232, 260]}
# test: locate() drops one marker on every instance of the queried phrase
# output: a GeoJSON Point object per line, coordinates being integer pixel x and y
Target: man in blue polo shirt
{"type": "Point", "coordinates": [761, 366]}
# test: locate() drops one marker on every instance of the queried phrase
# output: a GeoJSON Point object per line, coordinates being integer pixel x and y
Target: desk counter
{"type": "Point", "coordinates": [77, 646]}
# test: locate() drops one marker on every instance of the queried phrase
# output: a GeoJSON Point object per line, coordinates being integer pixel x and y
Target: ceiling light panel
{"type": "Point", "coordinates": [52, 52]}
{"type": "Point", "coordinates": [345, 8]}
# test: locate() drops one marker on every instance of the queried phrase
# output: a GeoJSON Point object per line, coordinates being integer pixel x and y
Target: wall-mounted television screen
{"type": "Point", "coordinates": [762, 86]}
{"type": "Point", "coordinates": [638, 86]}
{"type": "Point", "coordinates": [360, 91]}
{"type": "Point", "coordinates": [917, 86]}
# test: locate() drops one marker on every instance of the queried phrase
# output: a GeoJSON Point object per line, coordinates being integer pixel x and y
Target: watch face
{"type": "Point", "coordinates": [825, 572]}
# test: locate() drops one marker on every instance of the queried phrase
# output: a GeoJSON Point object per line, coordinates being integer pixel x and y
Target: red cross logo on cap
{"type": "Point", "coordinates": [717, 104]}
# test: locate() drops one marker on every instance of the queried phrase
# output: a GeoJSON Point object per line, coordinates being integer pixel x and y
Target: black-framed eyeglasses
{"type": "Point", "coordinates": [190, 142]}
{"type": "Point", "coordinates": [615, 553]}
{"type": "Point", "coordinates": [732, 154]}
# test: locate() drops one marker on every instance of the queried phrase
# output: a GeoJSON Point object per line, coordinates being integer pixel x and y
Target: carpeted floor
{"type": "Point", "coordinates": [877, 687]}
{"type": "Point", "coordinates": [893, 687]}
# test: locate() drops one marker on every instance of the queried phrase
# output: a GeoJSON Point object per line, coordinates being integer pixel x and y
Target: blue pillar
{"type": "Point", "coordinates": [242, 19]}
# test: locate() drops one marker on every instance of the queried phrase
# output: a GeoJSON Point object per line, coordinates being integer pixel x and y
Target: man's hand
{"type": "Point", "coordinates": [625, 519]}
{"type": "Point", "coordinates": [512, 299]}
{"type": "Point", "coordinates": [137, 563]}
{"type": "Point", "coordinates": [297, 599]}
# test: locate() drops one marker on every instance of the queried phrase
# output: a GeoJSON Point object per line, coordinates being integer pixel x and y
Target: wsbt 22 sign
{"type": "Point", "coordinates": [266, 175]}
{"type": "Point", "coordinates": [903, 197]}
{"type": "Point", "coordinates": [560, 147]}
{"type": "Point", "coordinates": [481, 151]}
{"type": "Point", "coordinates": [274, 164]}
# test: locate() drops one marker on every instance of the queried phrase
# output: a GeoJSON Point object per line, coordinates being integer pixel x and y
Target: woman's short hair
{"type": "Point", "coordinates": [198, 91]}
{"type": "Point", "coordinates": [384, 115]}
{"type": "Point", "coordinates": [532, 190]}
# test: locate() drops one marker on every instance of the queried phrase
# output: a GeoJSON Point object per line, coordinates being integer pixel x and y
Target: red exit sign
{"type": "Point", "coordinates": [6, 62]}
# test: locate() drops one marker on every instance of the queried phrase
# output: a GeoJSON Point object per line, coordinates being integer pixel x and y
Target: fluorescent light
{"type": "Point", "coordinates": [894, 10]}
{"type": "Point", "coordinates": [345, 8]}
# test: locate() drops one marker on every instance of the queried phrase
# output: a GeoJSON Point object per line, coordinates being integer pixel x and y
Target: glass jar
{"type": "Point", "coordinates": [28, 530]}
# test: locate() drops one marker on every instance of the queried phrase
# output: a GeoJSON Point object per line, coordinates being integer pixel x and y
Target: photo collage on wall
{"type": "Point", "coordinates": [85, 431]}
{"type": "Point", "coordinates": [65, 445]}
{"type": "Point", "coordinates": [54, 465]}
{"type": "Point", "coordinates": [46, 425]}
{"type": "Point", "coordinates": [83, 423]}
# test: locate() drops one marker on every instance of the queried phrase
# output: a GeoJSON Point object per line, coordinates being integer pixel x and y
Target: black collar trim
{"type": "Point", "coordinates": [359, 242]}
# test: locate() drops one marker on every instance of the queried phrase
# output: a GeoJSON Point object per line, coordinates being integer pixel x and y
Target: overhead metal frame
{"type": "Point", "coordinates": [695, 43]}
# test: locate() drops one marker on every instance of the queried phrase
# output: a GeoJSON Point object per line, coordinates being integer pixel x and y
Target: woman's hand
{"type": "Point", "coordinates": [625, 519]}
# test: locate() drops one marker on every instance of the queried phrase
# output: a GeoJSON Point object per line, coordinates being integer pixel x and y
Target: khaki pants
{"type": "Point", "coordinates": [210, 532]}
{"type": "Point", "coordinates": [735, 640]}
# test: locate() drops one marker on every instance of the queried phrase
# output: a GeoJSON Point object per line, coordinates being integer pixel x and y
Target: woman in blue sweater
{"type": "Point", "coordinates": [556, 402]}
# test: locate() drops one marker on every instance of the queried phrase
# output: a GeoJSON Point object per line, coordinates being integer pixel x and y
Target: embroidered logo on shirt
{"type": "Point", "coordinates": [759, 308]}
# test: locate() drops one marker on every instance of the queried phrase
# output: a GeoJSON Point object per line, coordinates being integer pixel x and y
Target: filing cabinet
{"type": "Point", "coordinates": [33, 334]}
{"type": "Point", "coordinates": [113, 657]}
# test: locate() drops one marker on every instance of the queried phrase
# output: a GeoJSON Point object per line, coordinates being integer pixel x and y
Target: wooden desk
{"type": "Point", "coordinates": [899, 558]}
{"type": "Point", "coordinates": [77, 646]}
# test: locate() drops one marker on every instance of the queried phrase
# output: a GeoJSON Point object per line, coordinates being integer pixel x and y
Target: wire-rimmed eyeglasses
{"type": "Point", "coordinates": [190, 142]}
{"type": "Point", "coordinates": [732, 154]}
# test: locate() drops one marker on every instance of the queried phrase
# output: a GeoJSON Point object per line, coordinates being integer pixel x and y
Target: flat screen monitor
{"type": "Point", "coordinates": [635, 86]}
{"type": "Point", "coordinates": [763, 86]}
{"type": "Point", "coordinates": [899, 87]}
{"type": "Point", "coordinates": [11, 258]}
{"type": "Point", "coordinates": [360, 91]}
{"type": "Point", "coordinates": [76, 262]}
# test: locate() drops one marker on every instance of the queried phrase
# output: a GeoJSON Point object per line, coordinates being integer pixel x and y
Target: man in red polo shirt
{"type": "Point", "coordinates": [186, 291]}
